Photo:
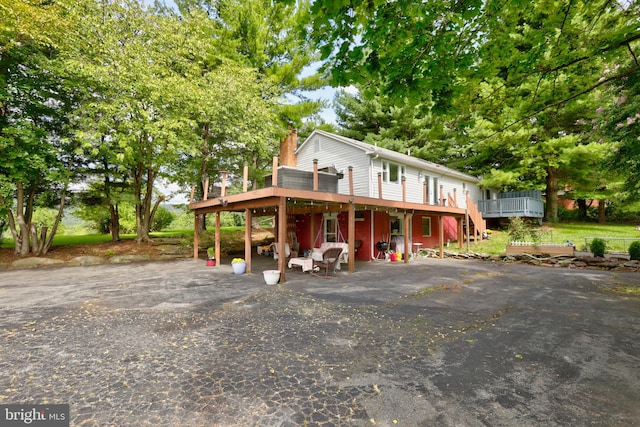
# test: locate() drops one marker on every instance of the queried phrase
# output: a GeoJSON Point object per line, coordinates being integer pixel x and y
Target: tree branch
{"type": "Point", "coordinates": [555, 104]}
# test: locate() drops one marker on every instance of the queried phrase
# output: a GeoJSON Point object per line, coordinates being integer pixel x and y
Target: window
{"type": "Point", "coordinates": [426, 226]}
{"type": "Point", "coordinates": [331, 228]}
{"type": "Point", "coordinates": [392, 172]}
{"type": "Point", "coordinates": [316, 145]}
{"type": "Point", "coordinates": [436, 200]}
{"type": "Point", "coordinates": [396, 226]}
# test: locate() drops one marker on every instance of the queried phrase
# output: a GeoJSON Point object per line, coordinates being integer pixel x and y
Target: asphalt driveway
{"type": "Point", "coordinates": [435, 342]}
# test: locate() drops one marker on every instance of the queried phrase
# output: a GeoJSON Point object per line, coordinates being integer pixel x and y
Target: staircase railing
{"type": "Point", "coordinates": [475, 216]}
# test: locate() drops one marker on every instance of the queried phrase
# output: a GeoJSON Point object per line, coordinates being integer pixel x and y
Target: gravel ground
{"type": "Point", "coordinates": [434, 342]}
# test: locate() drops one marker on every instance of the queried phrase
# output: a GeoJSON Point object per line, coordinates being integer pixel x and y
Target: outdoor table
{"type": "Point", "coordinates": [305, 263]}
{"type": "Point", "coordinates": [416, 249]}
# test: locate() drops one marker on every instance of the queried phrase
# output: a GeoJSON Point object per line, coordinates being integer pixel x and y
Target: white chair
{"type": "Point", "coordinates": [287, 250]}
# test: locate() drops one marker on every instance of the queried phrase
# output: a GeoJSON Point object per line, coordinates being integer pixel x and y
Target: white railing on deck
{"type": "Point", "coordinates": [505, 208]}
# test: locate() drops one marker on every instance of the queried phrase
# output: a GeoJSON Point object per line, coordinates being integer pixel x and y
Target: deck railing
{"type": "Point", "coordinates": [505, 208]}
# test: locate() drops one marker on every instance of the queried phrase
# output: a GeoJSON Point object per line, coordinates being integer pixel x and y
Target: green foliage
{"type": "Point", "coordinates": [162, 219]}
{"type": "Point", "coordinates": [211, 252]}
{"type": "Point", "coordinates": [522, 231]}
{"type": "Point", "coordinates": [598, 247]}
{"type": "Point", "coordinates": [634, 250]}
{"type": "Point", "coordinates": [45, 217]}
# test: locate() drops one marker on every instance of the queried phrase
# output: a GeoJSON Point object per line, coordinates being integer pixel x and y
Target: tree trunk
{"type": "Point", "coordinates": [551, 211]}
{"type": "Point", "coordinates": [114, 222]}
{"type": "Point", "coordinates": [23, 243]}
{"type": "Point", "coordinates": [46, 244]}
{"type": "Point", "coordinates": [582, 208]}
{"type": "Point", "coordinates": [602, 218]}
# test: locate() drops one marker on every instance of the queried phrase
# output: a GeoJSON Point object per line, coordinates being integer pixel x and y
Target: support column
{"type": "Point", "coordinates": [352, 237]}
{"type": "Point", "coordinates": [379, 185]}
{"type": "Point", "coordinates": [441, 232]}
{"type": "Point", "coordinates": [245, 177]}
{"type": "Point", "coordinates": [407, 247]}
{"type": "Point", "coordinates": [282, 237]}
{"type": "Point", "coordinates": [196, 239]}
{"type": "Point", "coordinates": [274, 172]}
{"type": "Point", "coordinates": [460, 233]}
{"type": "Point", "coordinates": [425, 195]}
{"type": "Point", "coordinates": [315, 174]}
{"type": "Point", "coordinates": [351, 180]}
{"type": "Point", "coordinates": [217, 238]}
{"type": "Point", "coordinates": [247, 238]}
{"type": "Point", "coordinates": [223, 190]}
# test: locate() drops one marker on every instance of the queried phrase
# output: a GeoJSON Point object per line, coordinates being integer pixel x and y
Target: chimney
{"type": "Point", "coordinates": [287, 149]}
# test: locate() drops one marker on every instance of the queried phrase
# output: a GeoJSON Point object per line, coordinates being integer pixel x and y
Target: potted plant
{"type": "Point", "coordinates": [239, 265]}
{"type": "Point", "coordinates": [211, 257]}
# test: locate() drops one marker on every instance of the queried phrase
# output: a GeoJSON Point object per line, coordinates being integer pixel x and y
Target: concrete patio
{"type": "Point", "coordinates": [434, 342]}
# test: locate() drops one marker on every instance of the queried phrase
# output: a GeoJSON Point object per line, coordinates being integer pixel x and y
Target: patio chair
{"type": "Point", "coordinates": [330, 258]}
{"type": "Point", "coordinates": [276, 251]}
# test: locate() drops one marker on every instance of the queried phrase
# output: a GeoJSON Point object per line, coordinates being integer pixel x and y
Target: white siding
{"type": "Point", "coordinates": [332, 152]}
{"type": "Point", "coordinates": [336, 154]}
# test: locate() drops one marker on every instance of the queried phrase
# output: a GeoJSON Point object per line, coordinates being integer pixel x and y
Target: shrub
{"type": "Point", "coordinates": [634, 250]}
{"type": "Point", "coordinates": [597, 247]}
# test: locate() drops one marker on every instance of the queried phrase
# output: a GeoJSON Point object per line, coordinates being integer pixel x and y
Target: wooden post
{"type": "Point", "coordinates": [282, 237]}
{"type": "Point", "coordinates": [460, 233]}
{"type": "Point", "coordinates": [351, 180]}
{"type": "Point", "coordinates": [223, 190]}
{"type": "Point", "coordinates": [274, 172]}
{"type": "Point", "coordinates": [441, 195]}
{"type": "Point", "coordinates": [217, 239]}
{"type": "Point", "coordinates": [352, 237]}
{"type": "Point", "coordinates": [196, 240]}
{"type": "Point", "coordinates": [441, 231]}
{"type": "Point", "coordinates": [379, 185]}
{"type": "Point", "coordinates": [245, 177]}
{"type": "Point", "coordinates": [425, 195]}
{"type": "Point", "coordinates": [205, 196]}
{"type": "Point", "coordinates": [193, 192]}
{"type": "Point", "coordinates": [247, 238]}
{"type": "Point", "coordinates": [407, 247]}
{"type": "Point", "coordinates": [312, 228]}
{"type": "Point", "coordinates": [455, 198]}
{"type": "Point", "coordinates": [315, 174]}
{"type": "Point", "coordinates": [466, 220]}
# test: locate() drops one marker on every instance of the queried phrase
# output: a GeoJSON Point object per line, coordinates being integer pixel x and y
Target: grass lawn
{"type": "Point", "coordinates": [579, 233]}
{"type": "Point", "coordinates": [87, 239]}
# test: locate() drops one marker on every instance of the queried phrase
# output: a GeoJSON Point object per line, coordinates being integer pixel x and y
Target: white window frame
{"type": "Point", "coordinates": [329, 229]}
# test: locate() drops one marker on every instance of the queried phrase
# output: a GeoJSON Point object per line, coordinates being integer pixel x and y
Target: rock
{"type": "Point", "coordinates": [125, 259]}
{"type": "Point", "coordinates": [172, 249]}
{"type": "Point", "coordinates": [34, 262]}
{"type": "Point", "coordinates": [86, 260]}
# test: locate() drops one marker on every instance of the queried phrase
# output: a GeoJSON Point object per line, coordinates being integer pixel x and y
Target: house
{"type": "Point", "coordinates": [333, 189]}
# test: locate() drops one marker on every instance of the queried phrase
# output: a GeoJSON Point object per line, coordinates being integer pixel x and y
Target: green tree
{"type": "Point", "coordinates": [512, 77]}
{"type": "Point", "coordinates": [36, 151]}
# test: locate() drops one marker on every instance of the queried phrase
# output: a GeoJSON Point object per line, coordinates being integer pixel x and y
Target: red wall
{"type": "Point", "coordinates": [381, 231]}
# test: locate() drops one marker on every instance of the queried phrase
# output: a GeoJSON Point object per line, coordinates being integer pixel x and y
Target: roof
{"type": "Point", "coordinates": [372, 150]}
